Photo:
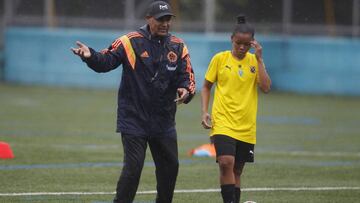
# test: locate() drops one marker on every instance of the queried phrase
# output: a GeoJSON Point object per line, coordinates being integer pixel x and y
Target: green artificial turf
{"type": "Point", "coordinates": [64, 140]}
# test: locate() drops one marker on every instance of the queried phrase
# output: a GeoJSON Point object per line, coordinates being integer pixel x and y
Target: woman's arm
{"type": "Point", "coordinates": [264, 80]}
{"type": "Point", "coordinates": [205, 98]}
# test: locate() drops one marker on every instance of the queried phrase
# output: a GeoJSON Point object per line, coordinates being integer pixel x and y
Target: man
{"type": "Point", "coordinates": [156, 75]}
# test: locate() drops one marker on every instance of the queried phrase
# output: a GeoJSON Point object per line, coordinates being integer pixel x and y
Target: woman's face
{"type": "Point", "coordinates": [241, 43]}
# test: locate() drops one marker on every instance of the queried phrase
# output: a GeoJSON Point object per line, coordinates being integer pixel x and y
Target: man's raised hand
{"type": "Point", "coordinates": [82, 50]}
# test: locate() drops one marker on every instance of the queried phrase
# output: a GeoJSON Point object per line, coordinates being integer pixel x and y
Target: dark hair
{"type": "Point", "coordinates": [242, 26]}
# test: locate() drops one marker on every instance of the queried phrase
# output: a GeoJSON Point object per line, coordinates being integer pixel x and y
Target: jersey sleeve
{"type": "Point", "coordinates": [107, 59]}
{"type": "Point", "coordinates": [211, 73]}
{"type": "Point", "coordinates": [186, 77]}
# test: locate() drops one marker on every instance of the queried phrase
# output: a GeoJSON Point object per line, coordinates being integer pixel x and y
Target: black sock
{"type": "Point", "coordinates": [228, 193]}
{"type": "Point", "coordinates": [237, 194]}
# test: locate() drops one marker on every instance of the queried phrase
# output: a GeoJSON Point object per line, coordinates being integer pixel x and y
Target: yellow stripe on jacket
{"type": "Point", "coordinates": [130, 54]}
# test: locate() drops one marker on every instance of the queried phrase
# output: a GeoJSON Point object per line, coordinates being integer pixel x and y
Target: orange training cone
{"type": "Point", "coordinates": [5, 151]}
{"type": "Point", "coordinates": [205, 150]}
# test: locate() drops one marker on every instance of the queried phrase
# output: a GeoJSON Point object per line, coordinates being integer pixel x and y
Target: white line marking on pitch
{"type": "Point", "coordinates": [314, 153]}
{"type": "Point", "coordinates": [183, 191]}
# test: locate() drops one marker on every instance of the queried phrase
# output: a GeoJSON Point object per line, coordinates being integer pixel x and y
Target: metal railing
{"type": "Point", "coordinates": [207, 21]}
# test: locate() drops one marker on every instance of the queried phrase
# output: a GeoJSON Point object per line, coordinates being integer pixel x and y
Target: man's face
{"type": "Point", "coordinates": [241, 43]}
{"type": "Point", "coordinates": [160, 26]}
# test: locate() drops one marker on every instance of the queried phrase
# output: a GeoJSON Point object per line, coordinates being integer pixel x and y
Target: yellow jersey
{"type": "Point", "coordinates": [235, 99]}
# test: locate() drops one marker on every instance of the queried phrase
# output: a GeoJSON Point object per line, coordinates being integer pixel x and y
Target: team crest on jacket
{"type": "Point", "coordinates": [252, 69]}
{"type": "Point", "coordinates": [172, 57]}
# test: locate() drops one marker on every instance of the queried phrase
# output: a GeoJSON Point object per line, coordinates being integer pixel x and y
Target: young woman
{"type": "Point", "coordinates": [237, 74]}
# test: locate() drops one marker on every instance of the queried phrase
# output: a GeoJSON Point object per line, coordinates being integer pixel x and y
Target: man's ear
{"type": "Point", "coordinates": [147, 19]}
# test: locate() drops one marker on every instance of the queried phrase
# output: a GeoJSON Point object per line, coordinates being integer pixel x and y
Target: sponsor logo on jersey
{"type": "Point", "coordinates": [228, 67]}
{"type": "Point", "coordinates": [171, 68]}
{"type": "Point", "coordinates": [145, 54]}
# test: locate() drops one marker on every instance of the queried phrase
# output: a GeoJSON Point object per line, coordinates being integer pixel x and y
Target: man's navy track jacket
{"type": "Point", "coordinates": [153, 69]}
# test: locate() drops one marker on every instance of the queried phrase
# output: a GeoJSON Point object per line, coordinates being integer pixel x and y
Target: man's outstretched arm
{"type": "Point", "coordinates": [104, 61]}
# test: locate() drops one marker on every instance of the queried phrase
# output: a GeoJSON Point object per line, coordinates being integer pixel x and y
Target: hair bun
{"type": "Point", "coordinates": [241, 19]}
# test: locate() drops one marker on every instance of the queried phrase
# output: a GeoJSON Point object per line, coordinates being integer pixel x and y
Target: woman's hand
{"type": "Point", "coordinates": [258, 49]}
{"type": "Point", "coordinates": [206, 121]}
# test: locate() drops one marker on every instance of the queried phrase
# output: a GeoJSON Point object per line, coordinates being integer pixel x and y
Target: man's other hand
{"type": "Point", "coordinates": [183, 95]}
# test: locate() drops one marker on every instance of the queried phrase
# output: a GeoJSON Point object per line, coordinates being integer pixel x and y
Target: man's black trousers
{"type": "Point", "coordinates": [165, 155]}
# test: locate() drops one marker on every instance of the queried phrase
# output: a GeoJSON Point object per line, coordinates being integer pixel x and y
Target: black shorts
{"type": "Point", "coordinates": [225, 145]}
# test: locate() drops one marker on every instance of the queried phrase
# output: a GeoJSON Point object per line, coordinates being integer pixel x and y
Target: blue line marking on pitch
{"type": "Point", "coordinates": [82, 165]}
{"type": "Point", "coordinates": [134, 202]}
{"type": "Point", "coordinates": [57, 166]}
{"type": "Point", "coordinates": [184, 162]}
{"type": "Point", "coordinates": [100, 202]}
